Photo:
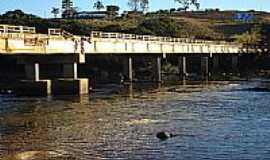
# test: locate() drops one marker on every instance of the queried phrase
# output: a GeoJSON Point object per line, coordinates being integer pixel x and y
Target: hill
{"type": "Point", "coordinates": [210, 25]}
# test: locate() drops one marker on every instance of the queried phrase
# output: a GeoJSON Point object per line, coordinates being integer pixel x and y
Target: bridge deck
{"type": "Point", "coordinates": [24, 40]}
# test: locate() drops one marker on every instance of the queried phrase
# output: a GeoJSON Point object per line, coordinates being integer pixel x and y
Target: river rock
{"type": "Point", "coordinates": [163, 135]}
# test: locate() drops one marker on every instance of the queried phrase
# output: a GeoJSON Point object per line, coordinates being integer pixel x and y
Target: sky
{"type": "Point", "coordinates": [43, 7]}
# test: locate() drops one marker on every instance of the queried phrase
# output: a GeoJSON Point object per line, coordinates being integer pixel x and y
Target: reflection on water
{"type": "Point", "coordinates": [217, 121]}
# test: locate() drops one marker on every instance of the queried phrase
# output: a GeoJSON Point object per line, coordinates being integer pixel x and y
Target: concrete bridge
{"type": "Point", "coordinates": [30, 49]}
{"type": "Point", "coordinates": [20, 39]}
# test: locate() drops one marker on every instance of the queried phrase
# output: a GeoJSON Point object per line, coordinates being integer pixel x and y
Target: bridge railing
{"type": "Point", "coordinates": [111, 35]}
{"type": "Point", "coordinates": [29, 36]}
{"type": "Point", "coordinates": [16, 29]}
{"type": "Point", "coordinates": [59, 32]}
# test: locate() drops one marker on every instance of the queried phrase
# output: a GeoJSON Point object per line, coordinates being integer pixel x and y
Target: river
{"type": "Point", "coordinates": [211, 121]}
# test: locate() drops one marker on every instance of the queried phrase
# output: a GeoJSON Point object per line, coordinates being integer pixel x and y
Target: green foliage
{"type": "Point", "coordinates": [186, 4]}
{"type": "Point", "coordinates": [74, 26]}
{"type": "Point", "coordinates": [158, 27]}
{"type": "Point", "coordinates": [98, 5]}
{"type": "Point", "coordinates": [144, 4]}
{"type": "Point", "coordinates": [251, 37]}
{"type": "Point", "coordinates": [152, 24]}
{"type": "Point", "coordinates": [55, 11]}
{"type": "Point", "coordinates": [135, 5]}
{"type": "Point", "coordinates": [17, 14]}
{"type": "Point", "coordinates": [174, 28]}
{"type": "Point", "coordinates": [169, 68]}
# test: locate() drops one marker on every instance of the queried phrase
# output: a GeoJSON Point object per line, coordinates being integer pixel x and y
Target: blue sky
{"type": "Point", "coordinates": [43, 7]}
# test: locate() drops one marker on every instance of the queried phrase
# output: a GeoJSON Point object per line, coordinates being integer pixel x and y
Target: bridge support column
{"type": "Point", "coordinates": [159, 75]}
{"type": "Point", "coordinates": [205, 68]}
{"type": "Point", "coordinates": [70, 84]}
{"type": "Point", "coordinates": [235, 63]}
{"type": "Point", "coordinates": [32, 71]}
{"type": "Point", "coordinates": [215, 60]}
{"type": "Point", "coordinates": [33, 85]}
{"type": "Point", "coordinates": [128, 68]}
{"type": "Point", "coordinates": [70, 70]}
{"type": "Point", "coordinates": [182, 65]}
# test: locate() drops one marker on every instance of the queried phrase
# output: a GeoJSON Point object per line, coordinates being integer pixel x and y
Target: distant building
{"type": "Point", "coordinates": [68, 9]}
{"type": "Point", "coordinates": [70, 12]}
{"type": "Point", "coordinates": [244, 16]}
{"type": "Point", "coordinates": [90, 14]}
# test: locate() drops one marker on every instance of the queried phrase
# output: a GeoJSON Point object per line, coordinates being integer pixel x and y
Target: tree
{"type": "Point", "coordinates": [112, 10]}
{"type": "Point", "coordinates": [250, 38]}
{"type": "Point", "coordinates": [55, 11]}
{"type": "Point", "coordinates": [134, 4]}
{"type": "Point", "coordinates": [144, 5]}
{"type": "Point", "coordinates": [70, 12]}
{"type": "Point", "coordinates": [187, 3]}
{"type": "Point", "coordinates": [17, 14]}
{"type": "Point", "coordinates": [98, 5]}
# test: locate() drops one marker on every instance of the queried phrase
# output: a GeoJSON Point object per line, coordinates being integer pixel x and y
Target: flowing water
{"type": "Point", "coordinates": [214, 121]}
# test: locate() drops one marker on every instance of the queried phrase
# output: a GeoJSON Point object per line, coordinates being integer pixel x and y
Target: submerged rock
{"type": "Point", "coordinates": [164, 135]}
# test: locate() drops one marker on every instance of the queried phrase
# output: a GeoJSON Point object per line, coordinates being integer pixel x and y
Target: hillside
{"type": "Point", "coordinates": [211, 25]}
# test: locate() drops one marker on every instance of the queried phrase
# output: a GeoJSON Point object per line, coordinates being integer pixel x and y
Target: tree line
{"type": "Point", "coordinates": [138, 5]}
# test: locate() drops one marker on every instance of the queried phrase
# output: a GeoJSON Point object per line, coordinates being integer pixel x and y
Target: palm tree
{"type": "Point", "coordinates": [98, 5]}
{"type": "Point", "coordinates": [55, 11]}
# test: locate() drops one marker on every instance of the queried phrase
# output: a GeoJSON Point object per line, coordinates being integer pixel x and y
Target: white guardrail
{"type": "Point", "coordinates": [17, 29]}
{"type": "Point", "coordinates": [11, 30]}
{"type": "Point", "coordinates": [111, 35]}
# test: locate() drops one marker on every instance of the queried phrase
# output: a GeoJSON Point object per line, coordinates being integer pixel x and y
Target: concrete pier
{"type": "Point", "coordinates": [70, 87]}
{"type": "Point", "coordinates": [205, 68]}
{"type": "Point", "coordinates": [182, 65]}
{"type": "Point", "coordinates": [33, 88]}
{"type": "Point", "coordinates": [130, 69]}
{"type": "Point", "coordinates": [67, 84]}
{"type": "Point", "coordinates": [215, 67]}
{"type": "Point", "coordinates": [70, 70]}
{"type": "Point", "coordinates": [32, 71]}
{"type": "Point", "coordinates": [159, 75]}
{"type": "Point", "coordinates": [234, 60]}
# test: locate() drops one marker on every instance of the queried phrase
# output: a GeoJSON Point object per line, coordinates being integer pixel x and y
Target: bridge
{"type": "Point", "coordinates": [31, 49]}
{"type": "Point", "coordinates": [21, 39]}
